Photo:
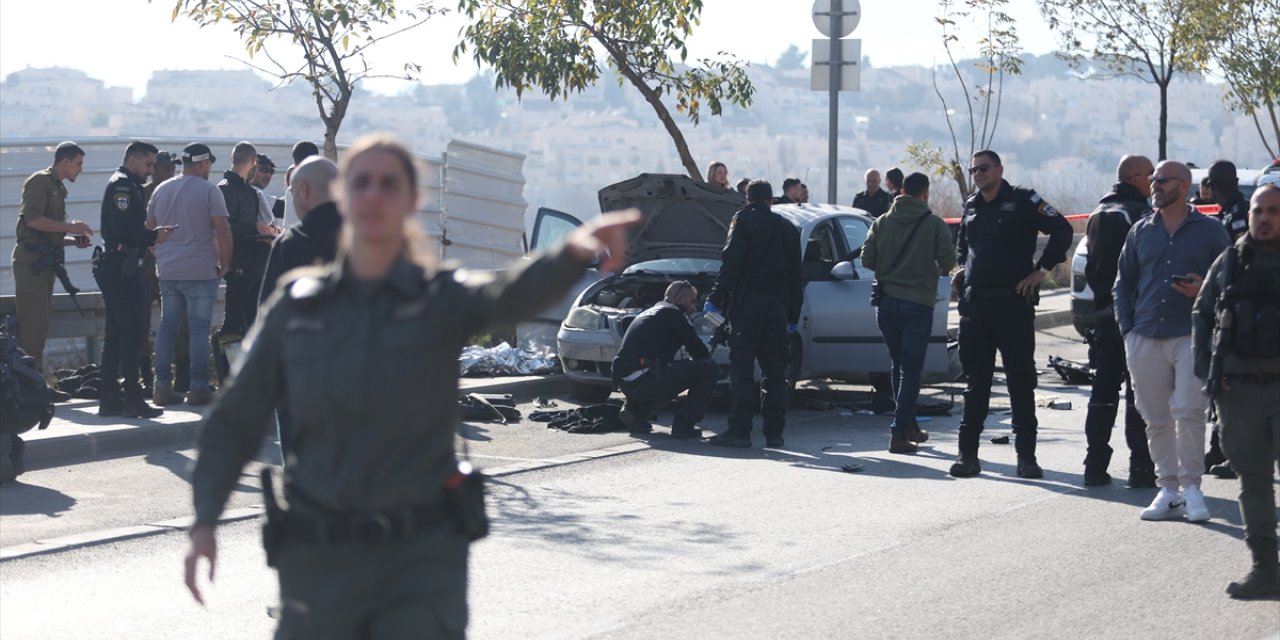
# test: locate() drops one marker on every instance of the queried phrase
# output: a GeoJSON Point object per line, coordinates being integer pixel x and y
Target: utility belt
{"type": "Point", "coordinates": [130, 259]}
{"type": "Point", "coordinates": [462, 504]}
{"type": "Point", "coordinates": [972, 293]}
{"type": "Point", "coordinates": [1253, 378]}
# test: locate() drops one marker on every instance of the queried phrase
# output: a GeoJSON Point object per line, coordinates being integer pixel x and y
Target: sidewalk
{"type": "Point", "coordinates": [77, 434]}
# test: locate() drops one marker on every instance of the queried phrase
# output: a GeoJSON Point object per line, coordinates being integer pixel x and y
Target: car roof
{"type": "Point", "coordinates": [808, 215]}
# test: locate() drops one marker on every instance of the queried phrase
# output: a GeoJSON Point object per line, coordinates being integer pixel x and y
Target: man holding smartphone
{"type": "Point", "coordinates": [1162, 267]}
{"type": "Point", "coordinates": [189, 265]}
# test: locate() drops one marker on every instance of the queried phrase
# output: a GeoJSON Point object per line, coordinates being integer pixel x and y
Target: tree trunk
{"type": "Point", "coordinates": [1164, 119]}
{"type": "Point", "coordinates": [333, 123]}
{"type": "Point", "coordinates": [651, 96]}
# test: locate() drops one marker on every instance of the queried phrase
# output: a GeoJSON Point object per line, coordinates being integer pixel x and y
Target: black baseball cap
{"type": "Point", "coordinates": [197, 152]}
{"type": "Point", "coordinates": [265, 160]}
{"type": "Point", "coordinates": [167, 159]}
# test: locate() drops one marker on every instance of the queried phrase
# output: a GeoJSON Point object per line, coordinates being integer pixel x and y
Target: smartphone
{"type": "Point", "coordinates": [1187, 279]}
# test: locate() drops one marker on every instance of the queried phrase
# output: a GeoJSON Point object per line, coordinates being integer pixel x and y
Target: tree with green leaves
{"type": "Point", "coordinates": [561, 47]}
{"type": "Point", "coordinates": [972, 127]}
{"type": "Point", "coordinates": [1240, 38]}
{"type": "Point", "coordinates": [1150, 41]}
{"type": "Point", "coordinates": [329, 40]}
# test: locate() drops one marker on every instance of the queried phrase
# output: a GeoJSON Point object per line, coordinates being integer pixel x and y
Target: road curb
{"type": "Point", "coordinates": [75, 448]}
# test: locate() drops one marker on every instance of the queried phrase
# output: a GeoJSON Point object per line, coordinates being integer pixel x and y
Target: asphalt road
{"type": "Point", "coordinates": [678, 539]}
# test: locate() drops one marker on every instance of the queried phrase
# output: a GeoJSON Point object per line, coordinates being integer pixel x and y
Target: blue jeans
{"type": "Point", "coordinates": [192, 299]}
{"type": "Point", "coordinates": [905, 326]}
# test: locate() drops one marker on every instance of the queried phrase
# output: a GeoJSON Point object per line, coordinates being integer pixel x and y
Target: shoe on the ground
{"type": "Point", "coordinates": [902, 444]}
{"type": "Point", "coordinates": [726, 440]}
{"type": "Point", "coordinates": [110, 407]}
{"type": "Point", "coordinates": [775, 442]}
{"type": "Point", "coordinates": [636, 423]}
{"type": "Point", "coordinates": [198, 397]}
{"type": "Point", "coordinates": [1141, 479]}
{"type": "Point", "coordinates": [1093, 478]}
{"type": "Point", "coordinates": [966, 467]}
{"type": "Point", "coordinates": [1260, 584]}
{"type": "Point", "coordinates": [1263, 581]}
{"type": "Point", "coordinates": [56, 395]}
{"type": "Point", "coordinates": [140, 409]}
{"type": "Point", "coordinates": [1167, 505]}
{"type": "Point", "coordinates": [1223, 471]}
{"type": "Point", "coordinates": [1028, 468]}
{"type": "Point", "coordinates": [686, 433]}
{"type": "Point", "coordinates": [916, 434]}
{"type": "Point", "coordinates": [164, 394]}
{"type": "Point", "coordinates": [1196, 510]}
{"type": "Point", "coordinates": [1214, 457]}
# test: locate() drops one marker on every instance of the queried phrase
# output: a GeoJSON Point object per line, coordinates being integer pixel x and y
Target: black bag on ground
{"type": "Point", "coordinates": [25, 399]}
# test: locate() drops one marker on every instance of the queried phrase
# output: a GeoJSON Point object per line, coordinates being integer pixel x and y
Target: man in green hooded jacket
{"type": "Point", "coordinates": [909, 248]}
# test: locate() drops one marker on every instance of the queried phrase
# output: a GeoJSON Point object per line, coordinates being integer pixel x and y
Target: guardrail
{"type": "Point", "coordinates": [69, 322]}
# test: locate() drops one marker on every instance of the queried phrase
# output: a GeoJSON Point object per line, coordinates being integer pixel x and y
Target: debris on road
{"type": "Point", "coordinates": [1072, 372]}
{"type": "Point", "coordinates": [1000, 440]}
{"type": "Point", "coordinates": [505, 360]}
{"type": "Point", "coordinates": [489, 408]}
{"type": "Point", "coordinates": [596, 418]}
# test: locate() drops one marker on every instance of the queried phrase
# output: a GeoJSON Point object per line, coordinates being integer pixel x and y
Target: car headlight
{"type": "Point", "coordinates": [585, 318]}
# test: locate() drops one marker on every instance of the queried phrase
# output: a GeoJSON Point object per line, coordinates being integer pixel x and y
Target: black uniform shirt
{"type": "Point", "coordinates": [761, 256]}
{"type": "Point", "coordinates": [655, 336]}
{"type": "Point", "coordinates": [875, 205]}
{"type": "Point", "coordinates": [1235, 215]}
{"type": "Point", "coordinates": [997, 240]}
{"type": "Point", "coordinates": [1108, 227]}
{"type": "Point", "coordinates": [124, 213]}
{"type": "Point", "coordinates": [242, 210]}
{"type": "Point", "coordinates": [312, 241]}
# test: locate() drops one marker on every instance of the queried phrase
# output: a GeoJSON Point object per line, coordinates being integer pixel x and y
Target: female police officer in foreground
{"type": "Point", "coordinates": [364, 353]}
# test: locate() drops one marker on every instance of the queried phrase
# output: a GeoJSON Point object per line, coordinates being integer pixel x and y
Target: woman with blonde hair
{"type": "Point", "coordinates": [363, 352]}
{"type": "Point", "coordinates": [718, 174]}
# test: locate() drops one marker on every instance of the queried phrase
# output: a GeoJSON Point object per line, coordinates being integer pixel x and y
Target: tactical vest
{"type": "Point", "coordinates": [1250, 306]}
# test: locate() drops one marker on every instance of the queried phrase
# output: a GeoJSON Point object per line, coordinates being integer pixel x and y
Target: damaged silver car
{"type": "Point", "coordinates": [682, 233]}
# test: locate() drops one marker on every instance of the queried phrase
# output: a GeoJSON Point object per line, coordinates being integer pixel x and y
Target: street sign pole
{"type": "Point", "coordinates": [833, 100]}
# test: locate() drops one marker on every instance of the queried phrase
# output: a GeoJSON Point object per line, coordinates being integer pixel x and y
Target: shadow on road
{"type": "Point", "coordinates": [17, 498]}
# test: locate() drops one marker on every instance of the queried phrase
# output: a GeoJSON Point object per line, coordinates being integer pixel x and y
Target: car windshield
{"type": "Point", "coordinates": [675, 266]}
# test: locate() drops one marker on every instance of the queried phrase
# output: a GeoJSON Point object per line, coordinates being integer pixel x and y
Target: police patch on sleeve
{"type": "Point", "coordinates": [122, 201]}
{"type": "Point", "coordinates": [1043, 207]}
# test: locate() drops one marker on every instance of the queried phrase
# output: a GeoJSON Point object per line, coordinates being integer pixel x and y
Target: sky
{"type": "Point", "coordinates": [123, 41]}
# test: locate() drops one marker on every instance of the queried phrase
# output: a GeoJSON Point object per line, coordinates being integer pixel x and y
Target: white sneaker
{"type": "Point", "coordinates": [1167, 506]}
{"type": "Point", "coordinates": [1196, 511]}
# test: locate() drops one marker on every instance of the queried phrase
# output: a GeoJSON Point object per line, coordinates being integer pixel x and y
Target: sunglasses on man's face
{"type": "Point", "coordinates": [982, 168]}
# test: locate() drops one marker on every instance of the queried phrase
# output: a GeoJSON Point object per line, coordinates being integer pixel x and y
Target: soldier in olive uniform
{"type": "Point", "coordinates": [42, 218]}
{"type": "Point", "coordinates": [1236, 340]}
{"type": "Point", "coordinates": [363, 352]}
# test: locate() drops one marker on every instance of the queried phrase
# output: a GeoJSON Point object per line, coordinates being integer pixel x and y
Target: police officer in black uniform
{"type": "Point", "coordinates": [1226, 192]}
{"type": "Point", "coordinates": [760, 290]}
{"type": "Point", "coordinates": [248, 256]}
{"type": "Point", "coordinates": [1109, 225]}
{"type": "Point", "coordinates": [999, 287]}
{"type": "Point", "coordinates": [1235, 216]}
{"type": "Point", "coordinates": [648, 373]}
{"type": "Point", "coordinates": [120, 278]}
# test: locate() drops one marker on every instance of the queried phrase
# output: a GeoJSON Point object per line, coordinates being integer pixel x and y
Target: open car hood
{"type": "Point", "coordinates": [682, 217]}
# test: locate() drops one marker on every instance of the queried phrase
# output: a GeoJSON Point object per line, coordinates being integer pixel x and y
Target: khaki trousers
{"type": "Point", "coordinates": [33, 297]}
{"type": "Point", "coordinates": [1171, 399]}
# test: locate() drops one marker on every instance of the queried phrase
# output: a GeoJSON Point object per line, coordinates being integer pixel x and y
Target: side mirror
{"type": "Point", "coordinates": [844, 271]}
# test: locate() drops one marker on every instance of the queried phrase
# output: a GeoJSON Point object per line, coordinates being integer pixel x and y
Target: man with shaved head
{"type": "Point", "coordinates": [1108, 227]}
{"type": "Point", "coordinates": [314, 238]}
{"type": "Point", "coordinates": [311, 240]}
{"type": "Point", "coordinates": [1162, 267]}
{"type": "Point", "coordinates": [1237, 351]}
{"type": "Point", "coordinates": [875, 201]}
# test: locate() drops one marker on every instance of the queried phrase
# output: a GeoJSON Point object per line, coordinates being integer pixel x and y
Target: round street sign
{"type": "Point", "coordinates": [822, 17]}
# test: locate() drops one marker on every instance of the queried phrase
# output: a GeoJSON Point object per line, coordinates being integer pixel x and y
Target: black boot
{"type": "Point", "coordinates": [1263, 581]}
{"type": "Point", "coordinates": [111, 402]}
{"type": "Point", "coordinates": [1095, 468]}
{"type": "Point", "coordinates": [1215, 456]}
{"type": "Point", "coordinates": [1141, 477]}
{"type": "Point", "coordinates": [135, 407]}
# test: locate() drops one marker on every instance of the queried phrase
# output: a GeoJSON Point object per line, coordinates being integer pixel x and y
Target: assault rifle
{"type": "Point", "coordinates": [49, 257]}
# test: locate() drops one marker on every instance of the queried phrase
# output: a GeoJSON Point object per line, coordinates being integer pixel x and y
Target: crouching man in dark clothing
{"type": "Point", "coordinates": [648, 373]}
